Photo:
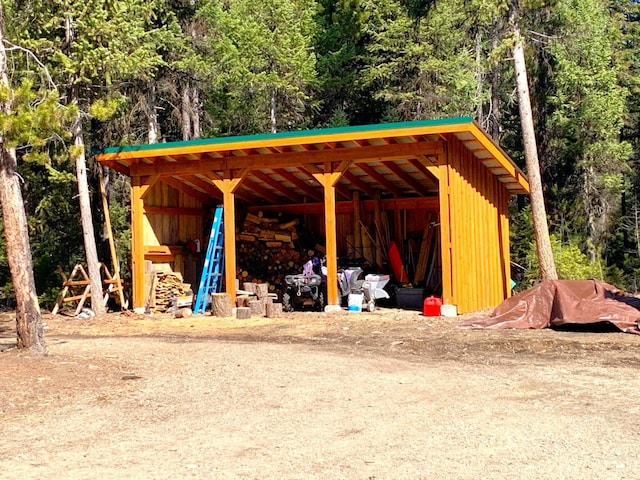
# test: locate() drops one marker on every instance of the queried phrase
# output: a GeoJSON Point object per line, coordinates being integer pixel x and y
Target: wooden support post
{"type": "Point", "coordinates": [112, 244]}
{"type": "Point", "coordinates": [328, 181]}
{"type": "Point", "coordinates": [445, 229]}
{"type": "Point", "coordinates": [357, 231]}
{"type": "Point", "coordinates": [140, 186]}
{"type": "Point", "coordinates": [227, 186]}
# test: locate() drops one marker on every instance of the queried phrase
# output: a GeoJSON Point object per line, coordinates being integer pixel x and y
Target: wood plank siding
{"type": "Point", "coordinates": [445, 171]}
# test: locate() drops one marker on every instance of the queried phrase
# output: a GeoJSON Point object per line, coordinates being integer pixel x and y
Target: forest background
{"type": "Point", "coordinates": [114, 72]}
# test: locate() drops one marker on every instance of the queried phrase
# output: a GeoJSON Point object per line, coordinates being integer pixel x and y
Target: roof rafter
{"type": "Point", "coordinates": [300, 183]}
{"type": "Point", "coordinates": [277, 186]}
{"type": "Point", "coordinates": [384, 181]}
{"type": "Point", "coordinates": [406, 177]}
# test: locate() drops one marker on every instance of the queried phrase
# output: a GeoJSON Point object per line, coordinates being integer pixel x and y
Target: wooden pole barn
{"type": "Point", "coordinates": [447, 168]}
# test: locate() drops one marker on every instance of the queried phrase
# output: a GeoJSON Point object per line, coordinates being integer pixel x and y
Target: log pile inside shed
{"type": "Point", "coordinates": [268, 250]}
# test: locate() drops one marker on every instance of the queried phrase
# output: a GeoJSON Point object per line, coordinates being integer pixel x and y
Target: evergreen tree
{"type": "Point", "coordinates": [264, 51]}
{"type": "Point", "coordinates": [92, 46]}
{"type": "Point", "coordinates": [28, 115]}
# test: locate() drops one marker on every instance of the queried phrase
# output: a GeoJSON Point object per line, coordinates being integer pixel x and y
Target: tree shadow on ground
{"type": "Point", "coordinates": [7, 334]}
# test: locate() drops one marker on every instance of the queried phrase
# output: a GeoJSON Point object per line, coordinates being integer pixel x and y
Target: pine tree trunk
{"type": "Point", "coordinates": [479, 79]}
{"type": "Point", "coordinates": [29, 328]}
{"type": "Point", "coordinates": [86, 219]}
{"type": "Point", "coordinates": [153, 126]}
{"type": "Point", "coordinates": [540, 226]}
{"type": "Point", "coordinates": [495, 109]}
{"type": "Point", "coordinates": [274, 125]}
{"type": "Point", "coordinates": [195, 111]}
{"type": "Point", "coordinates": [185, 113]}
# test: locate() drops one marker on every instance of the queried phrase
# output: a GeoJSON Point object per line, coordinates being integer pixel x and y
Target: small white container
{"type": "Point", "coordinates": [355, 302]}
{"type": "Point", "coordinates": [447, 310]}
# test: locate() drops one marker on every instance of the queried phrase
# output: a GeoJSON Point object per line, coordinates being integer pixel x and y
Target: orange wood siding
{"type": "Point", "coordinates": [155, 228]}
{"type": "Point", "coordinates": [479, 232]}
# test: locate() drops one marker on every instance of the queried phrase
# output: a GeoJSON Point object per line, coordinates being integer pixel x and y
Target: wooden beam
{"type": "Point", "coordinates": [187, 190]}
{"type": "Point", "coordinates": [272, 197]}
{"type": "Point", "coordinates": [406, 177]}
{"type": "Point", "coordinates": [417, 203]}
{"type": "Point", "coordinates": [314, 170]}
{"type": "Point", "coordinates": [227, 186]}
{"type": "Point", "coordinates": [445, 231]}
{"type": "Point", "coordinates": [426, 166]}
{"type": "Point", "coordinates": [278, 186]}
{"type": "Point", "coordinates": [175, 211]}
{"type": "Point", "coordinates": [212, 176]}
{"type": "Point", "coordinates": [328, 181]}
{"type": "Point", "coordinates": [147, 184]}
{"type": "Point", "coordinates": [360, 184]}
{"type": "Point", "coordinates": [137, 241]}
{"type": "Point", "coordinates": [205, 185]}
{"type": "Point", "coordinates": [291, 159]}
{"type": "Point", "coordinates": [369, 170]}
{"type": "Point", "coordinates": [300, 183]}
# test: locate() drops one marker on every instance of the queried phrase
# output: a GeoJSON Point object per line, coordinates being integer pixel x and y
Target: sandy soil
{"type": "Point", "coordinates": [383, 395]}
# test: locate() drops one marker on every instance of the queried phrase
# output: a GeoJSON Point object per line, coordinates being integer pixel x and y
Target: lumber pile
{"type": "Point", "coordinates": [170, 291]}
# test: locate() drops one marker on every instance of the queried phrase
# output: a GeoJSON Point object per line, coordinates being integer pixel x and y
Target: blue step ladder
{"type": "Point", "coordinates": [213, 268]}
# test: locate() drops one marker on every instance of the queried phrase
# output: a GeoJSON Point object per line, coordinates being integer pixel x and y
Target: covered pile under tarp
{"type": "Point", "coordinates": [559, 302]}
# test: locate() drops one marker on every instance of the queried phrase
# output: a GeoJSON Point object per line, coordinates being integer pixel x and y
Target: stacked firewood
{"type": "Point", "coordinates": [169, 290]}
{"type": "Point", "coordinates": [268, 231]}
{"type": "Point", "coordinates": [267, 251]}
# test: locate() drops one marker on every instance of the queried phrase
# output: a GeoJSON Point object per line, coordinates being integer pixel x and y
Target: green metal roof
{"type": "Point", "coordinates": [293, 134]}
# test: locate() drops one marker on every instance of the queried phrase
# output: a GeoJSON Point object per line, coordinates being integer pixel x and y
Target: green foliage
{"type": "Point", "coordinates": [33, 116]}
{"type": "Point", "coordinates": [266, 60]}
{"type": "Point", "coordinates": [424, 70]}
{"type": "Point", "coordinates": [571, 263]}
{"type": "Point", "coordinates": [104, 108]}
{"type": "Point", "coordinates": [588, 110]}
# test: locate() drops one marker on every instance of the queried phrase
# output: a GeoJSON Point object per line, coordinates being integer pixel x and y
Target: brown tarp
{"type": "Point", "coordinates": [559, 302]}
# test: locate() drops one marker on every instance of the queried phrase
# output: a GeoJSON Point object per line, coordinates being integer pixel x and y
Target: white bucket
{"type": "Point", "coordinates": [355, 302]}
{"type": "Point", "coordinates": [448, 310]}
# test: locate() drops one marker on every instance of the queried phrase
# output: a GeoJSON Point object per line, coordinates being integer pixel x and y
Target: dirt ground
{"type": "Point", "coordinates": [383, 395]}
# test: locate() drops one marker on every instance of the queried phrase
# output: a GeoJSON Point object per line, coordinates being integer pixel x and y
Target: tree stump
{"type": "Point", "coordinates": [249, 287]}
{"type": "Point", "coordinates": [274, 310]}
{"type": "Point", "coordinates": [262, 290]}
{"type": "Point", "coordinates": [221, 305]}
{"type": "Point", "coordinates": [257, 307]}
{"type": "Point", "coordinates": [242, 313]}
{"type": "Point", "coordinates": [243, 300]}
{"type": "Point", "coordinates": [184, 313]}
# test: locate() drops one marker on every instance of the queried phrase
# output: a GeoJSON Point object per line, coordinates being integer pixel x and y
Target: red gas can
{"type": "Point", "coordinates": [431, 306]}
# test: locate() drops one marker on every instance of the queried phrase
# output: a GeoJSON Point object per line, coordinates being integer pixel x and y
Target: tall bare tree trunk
{"type": "Point", "coordinates": [495, 108]}
{"type": "Point", "coordinates": [185, 112]}
{"type": "Point", "coordinates": [272, 111]}
{"type": "Point", "coordinates": [28, 317]}
{"type": "Point", "coordinates": [153, 126]}
{"type": "Point", "coordinates": [540, 226]}
{"type": "Point", "coordinates": [86, 218]}
{"type": "Point", "coordinates": [195, 111]}
{"type": "Point", "coordinates": [479, 79]}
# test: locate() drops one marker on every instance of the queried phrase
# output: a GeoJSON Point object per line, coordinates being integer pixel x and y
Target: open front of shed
{"type": "Point", "coordinates": [437, 190]}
